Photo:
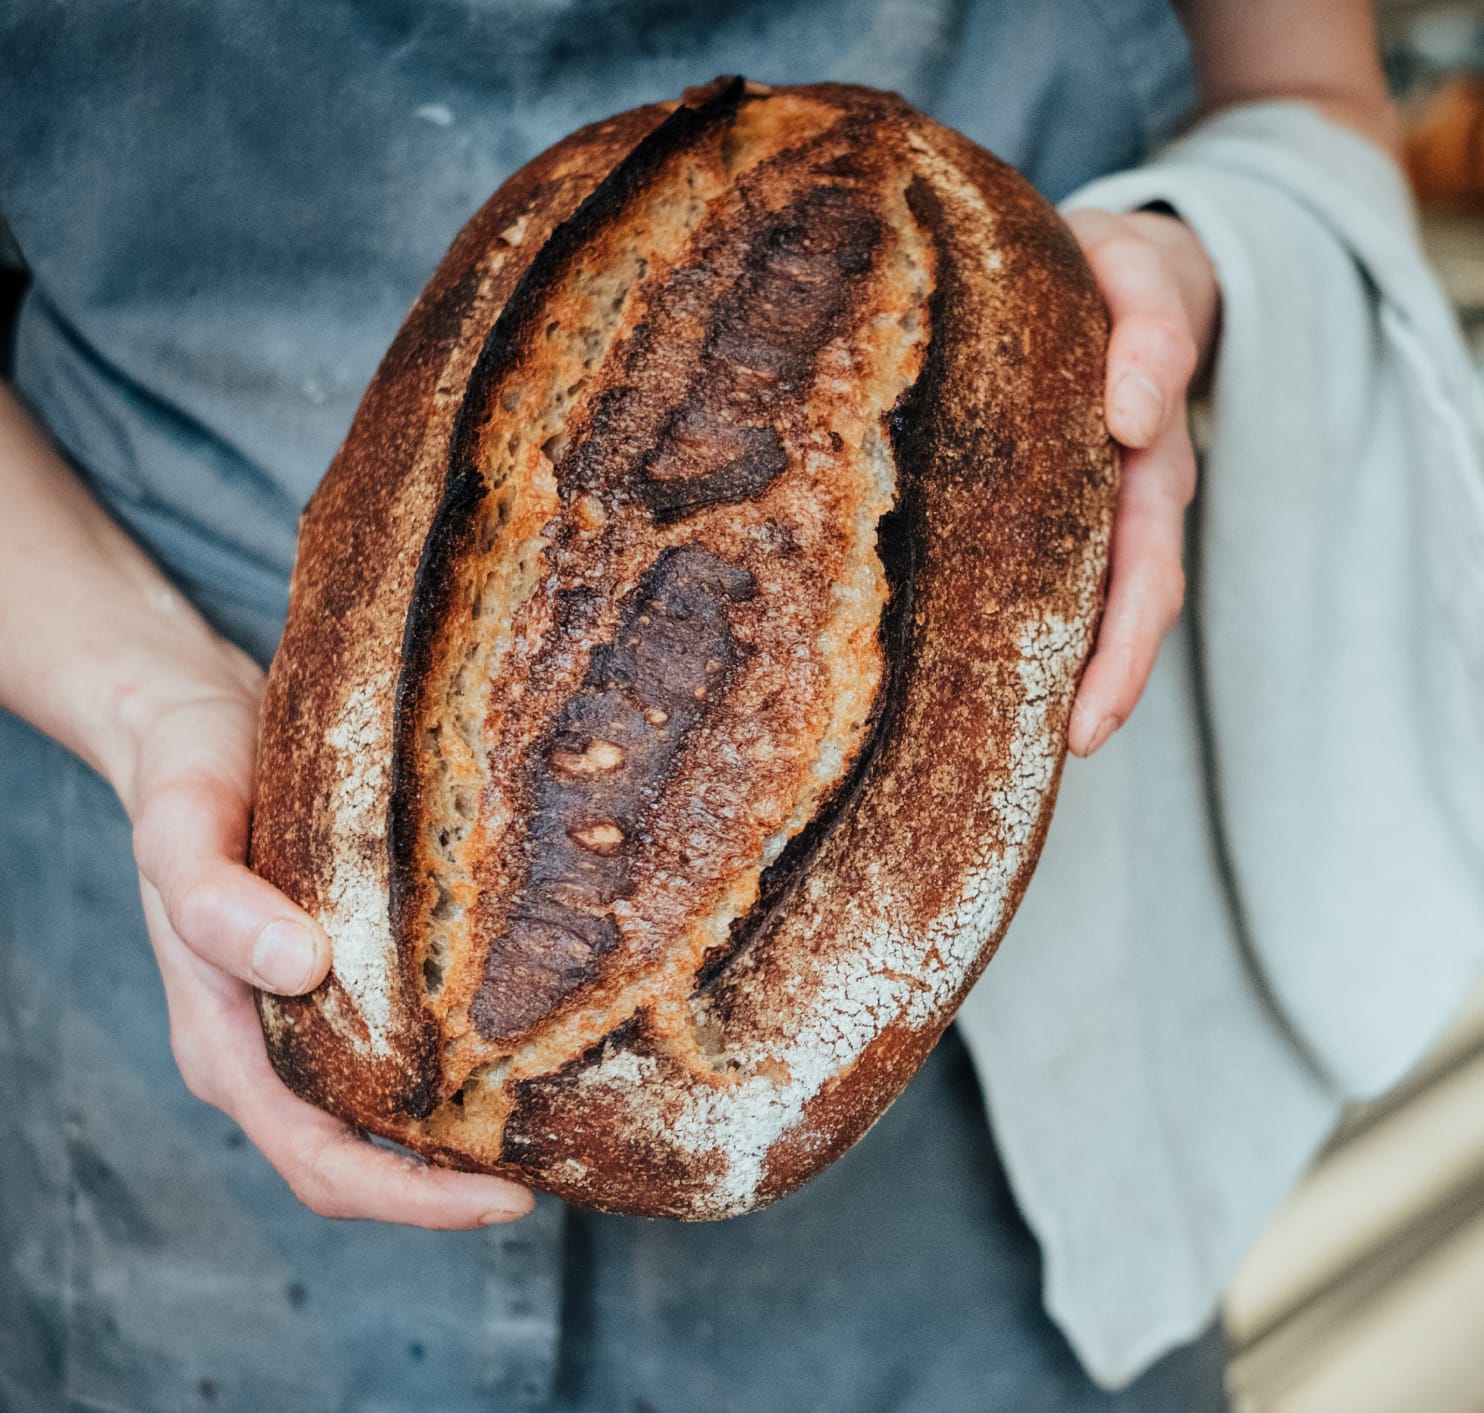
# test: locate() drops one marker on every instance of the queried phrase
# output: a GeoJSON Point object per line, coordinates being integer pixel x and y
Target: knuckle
{"type": "Point", "coordinates": [198, 1086]}
{"type": "Point", "coordinates": [1171, 473]}
{"type": "Point", "coordinates": [1171, 343]}
{"type": "Point", "coordinates": [311, 1181]}
{"type": "Point", "coordinates": [1168, 487]}
{"type": "Point", "coordinates": [1126, 253]}
{"type": "Point", "coordinates": [194, 909]}
{"type": "Point", "coordinates": [1169, 590]}
{"type": "Point", "coordinates": [193, 1071]}
{"type": "Point", "coordinates": [312, 1190]}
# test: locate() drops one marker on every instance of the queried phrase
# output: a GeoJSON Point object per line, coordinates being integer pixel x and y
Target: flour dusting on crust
{"type": "Point", "coordinates": [910, 979]}
{"type": "Point", "coordinates": [355, 912]}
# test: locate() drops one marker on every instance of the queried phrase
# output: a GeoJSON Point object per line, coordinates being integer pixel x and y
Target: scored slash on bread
{"type": "Point", "coordinates": [680, 649]}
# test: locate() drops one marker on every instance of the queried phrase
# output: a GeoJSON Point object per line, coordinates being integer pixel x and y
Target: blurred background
{"type": "Point", "coordinates": [1366, 1293]}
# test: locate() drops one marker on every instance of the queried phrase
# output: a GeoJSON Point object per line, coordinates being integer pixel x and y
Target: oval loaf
{"type": "Point", "coordinates": [680, 649]}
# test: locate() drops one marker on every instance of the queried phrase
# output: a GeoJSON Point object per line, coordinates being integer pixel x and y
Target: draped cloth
{"type": "Point", "coordinates": [1265, 896]}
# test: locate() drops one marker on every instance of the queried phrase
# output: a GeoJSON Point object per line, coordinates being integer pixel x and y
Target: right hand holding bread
{"type": "Point", "coordinates": [218, 930]}
{"type": "Point", "coordinates": [113, 663]}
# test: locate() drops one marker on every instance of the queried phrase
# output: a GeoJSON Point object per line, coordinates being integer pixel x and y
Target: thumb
{"type": "Point", "coordinates": [190, 840]}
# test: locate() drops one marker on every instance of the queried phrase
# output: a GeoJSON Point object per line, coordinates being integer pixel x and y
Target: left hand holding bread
{"type": "Point", "coordinates": [1164, 304]}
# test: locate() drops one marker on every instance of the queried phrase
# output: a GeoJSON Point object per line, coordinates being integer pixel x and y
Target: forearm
{"type": "Point", "coordinates": [92, 634]}
{"type": "Point", "coordinates": [1321, 52]}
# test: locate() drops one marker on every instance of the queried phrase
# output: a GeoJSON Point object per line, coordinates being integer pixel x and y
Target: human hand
{"type": "Point", "coordinates": [112, 662]}
{"type": "Point", "coordinates": [216, 927]}
{"type": "Point", "coordinates": [1162, 296]}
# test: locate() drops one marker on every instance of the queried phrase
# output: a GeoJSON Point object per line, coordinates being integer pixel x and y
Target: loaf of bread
{"type": "Point", "coordinates": [681, 646]}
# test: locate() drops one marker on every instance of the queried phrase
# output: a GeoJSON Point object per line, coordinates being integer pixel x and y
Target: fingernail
{"type": "Point", "coordinates": [284, 957]}
{"type": "Point", "coordinates": [1101, 732]}
{"type": "Point", "coordinates": [1138, 407]}
{"type": "Point", "coordinates": [496, 1215]}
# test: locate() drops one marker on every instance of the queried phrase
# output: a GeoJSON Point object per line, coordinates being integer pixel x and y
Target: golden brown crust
{"type": "Point", "coordinates": [361, 538]}
{"type": "Point", "coordinates": [737, 593]}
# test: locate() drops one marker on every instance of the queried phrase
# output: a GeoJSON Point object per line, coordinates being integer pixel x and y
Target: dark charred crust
{"type": "Point", "coordinates": [596, 776]}
{"type": "Point", "coordinates": [407, 1087]}
{"type": "Point", "coordinates": [796, 291]}
{"type": "Point", "coordinates": [747, 474]}
{"type": "Point", "coordinates": [521, 1143]}
{"type": "Point", "coordinates": [728, 87]}
{"type": "Point", "coordinates": [538, 1138]}
{"type": "Point", "coordinates": [911, 430]}
{"type": "Point", "coordinates": [420, 1096]}
{"type": "Point", "coordinates": [551, 949]}
{"type": "Point", "coordinates": [577, 610]}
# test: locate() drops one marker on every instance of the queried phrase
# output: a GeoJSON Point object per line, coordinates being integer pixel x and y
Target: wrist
{"type": "Point", "coordinates": [178, 662]}
{"type": "Point", "coordinates": [95, 643]}
{"type": "Point", "coordinates": [137, 660]}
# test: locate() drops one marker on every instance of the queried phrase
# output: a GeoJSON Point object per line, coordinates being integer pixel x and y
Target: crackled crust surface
{"type": "Point", "coordinates": [707, 576]}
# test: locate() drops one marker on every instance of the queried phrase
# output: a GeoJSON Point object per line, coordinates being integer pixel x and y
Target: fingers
{"type": "Point", "coordinates": [1146, 586]}
{"type": "Point", "coordinates": [337, 1173]}
{"type": "Point", "coordinates": [1163, 300]}
{"type": "Point", "coordinates": [1152, 351]}
{"type": "Point", "coordinates": [190, 837]}
{"type": "Point", "coordinates": [190, 841]}
{"type": "Point", "coordinates": [332, 1169]}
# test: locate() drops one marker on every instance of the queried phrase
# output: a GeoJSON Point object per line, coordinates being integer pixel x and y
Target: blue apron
{"type": "Point", "coordinates": [227, 209]}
